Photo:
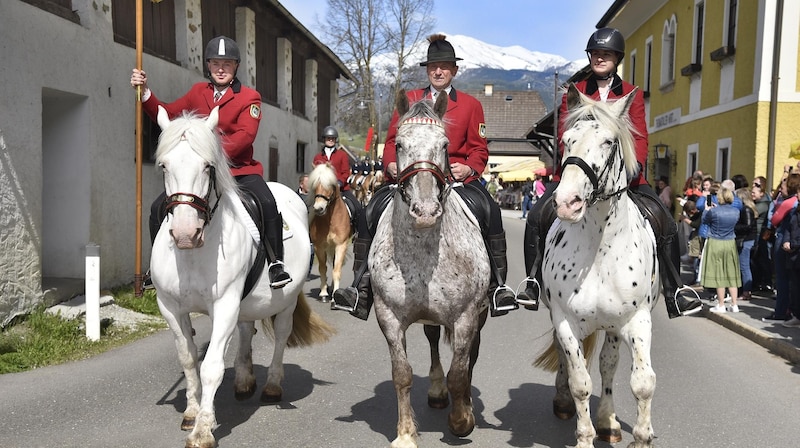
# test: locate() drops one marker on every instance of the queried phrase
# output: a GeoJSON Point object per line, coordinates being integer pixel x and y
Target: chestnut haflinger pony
{"type": "Point", "coordinates": [329, 227]}
{"type": "Point", "coordinates": [600, 270]}
{"type": "Point", "coordinates": [429, 264]}
{"type": "Point", "coordinates": [200, 259]}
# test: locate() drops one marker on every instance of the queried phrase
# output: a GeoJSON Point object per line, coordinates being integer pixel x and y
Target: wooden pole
{"type": "Point", "coordinates": [137, 278]}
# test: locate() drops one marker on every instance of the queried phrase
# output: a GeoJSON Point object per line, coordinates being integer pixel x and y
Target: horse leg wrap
{"type": "Point", "coordinates": [501, 297]}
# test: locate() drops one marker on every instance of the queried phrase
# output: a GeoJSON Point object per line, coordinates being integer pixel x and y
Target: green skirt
{"type": "Point", "coordinates": [719, 267]}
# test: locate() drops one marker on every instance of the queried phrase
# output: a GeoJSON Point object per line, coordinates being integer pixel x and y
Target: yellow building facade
{"type": "Point", "coordinates": [707, 67]}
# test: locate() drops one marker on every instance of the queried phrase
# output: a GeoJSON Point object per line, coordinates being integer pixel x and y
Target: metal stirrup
{"type": "Point", "coordinates": [335, 305]}
{"type": "Point", "coordinates": [681, 289]}
{"type": "Point", "coordinates": [494, 300]}
{"type": "Point", "coordinates": [521, 287]}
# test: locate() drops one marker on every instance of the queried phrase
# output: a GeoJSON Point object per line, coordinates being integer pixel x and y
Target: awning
{"type": "Point", "coordinates": [518, 171]}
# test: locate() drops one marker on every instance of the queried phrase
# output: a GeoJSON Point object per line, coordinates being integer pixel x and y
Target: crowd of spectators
{"type": "Point", "coordinates": [744, 237]}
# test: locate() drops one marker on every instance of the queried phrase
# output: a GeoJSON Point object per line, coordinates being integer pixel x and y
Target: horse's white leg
{"type": "Point", "coordinates": [338, 261]}
{"type": "Point", "coordinates": [272, 391]}
{"type": "Point", "coordinates": [244, 384]}
{"type": "Point", "coordinates": [608, 428]}
{"type": "Point", "coordinates": [437, 394]}
{"type": "Point", "coordinates": [580, 383]}
{"type": "Point", "coordinates": [181, 327]}
{"type": "Point", "coordinates": [563, 404]}
{"type": "Point", "coordinates": [322, 266]}
{"type": "Point", "coordinates": [461, 420]}
{"type": "Point", "coordinates": [224, 317]}
{"type": "Point", "coordinates": [638, 334]}
{"type": "Point", "coordinates": [402, 376]}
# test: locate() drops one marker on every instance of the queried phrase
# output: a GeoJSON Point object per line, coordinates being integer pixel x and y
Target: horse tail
{"type": "Point", "coordinates": [548, 359]}
{"type": "Point", "coordinates": [308, 327]}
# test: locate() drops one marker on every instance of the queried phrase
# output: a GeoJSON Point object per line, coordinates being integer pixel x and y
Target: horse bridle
{"type": "Point", "coordinates": [196, 202]}
{"type": "Point", "coordinates": [425, 166]}
{"type": "Point", "coordinates": [596, 195]}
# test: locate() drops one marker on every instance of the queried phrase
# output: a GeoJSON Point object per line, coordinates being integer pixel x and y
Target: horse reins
{"type": "Point", "coordinates": [196, 202]}
{"type": "Point", "coordinates": [595, 195]}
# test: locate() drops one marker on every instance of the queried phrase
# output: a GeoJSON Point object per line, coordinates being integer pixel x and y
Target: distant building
{"type": "Point", "coordinates": [707, 73]}
{"type": "Point", "coordinates": [67, 134]}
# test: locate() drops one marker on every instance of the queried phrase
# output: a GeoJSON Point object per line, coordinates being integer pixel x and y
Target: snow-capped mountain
{"type": "Point", "coordinates": [507, 68]}
{"type": "Point", "coordinates": [477, 53]}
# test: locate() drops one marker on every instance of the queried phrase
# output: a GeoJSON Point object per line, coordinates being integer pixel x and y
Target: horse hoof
{"type": "Point", "coordinates": [244, 395]}
{"type": "Point", "coordinates": [609, 435]}
{"type": "Point", "coordinates": [187, 424]}
{"type": "Point", "coordinates": [438, 402]}
{"type": "Point", "coordinates": [462, 428]}
{"type": "Point", "coordinates": [211, 444]}
{"type": "Point", "coordinates": [267, 397]}
{"type": "Point", "coordinates": [564, 412]}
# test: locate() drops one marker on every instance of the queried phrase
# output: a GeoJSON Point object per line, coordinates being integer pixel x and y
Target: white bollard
{"type": "Point", "coordinates": [92, 292]}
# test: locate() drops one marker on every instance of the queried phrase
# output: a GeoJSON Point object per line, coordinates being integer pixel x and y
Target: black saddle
{"type": "Point", "coordinates": [253, 207]}
{"type": "Point", "coordinates": [476, 201]}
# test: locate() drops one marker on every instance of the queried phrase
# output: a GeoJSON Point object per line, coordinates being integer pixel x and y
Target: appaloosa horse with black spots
{"type": "Point", "coordinates": [600, 270]}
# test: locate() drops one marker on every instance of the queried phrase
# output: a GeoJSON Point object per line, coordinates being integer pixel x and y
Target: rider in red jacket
{"type": "Point", "coordinates": [606, 48]}
{"type": "Point", "coordinates": [468, 154]}
{"type": "Point", "coordinates": [239, 117]}
{"type": "Point", "coordinates": [331, 153]}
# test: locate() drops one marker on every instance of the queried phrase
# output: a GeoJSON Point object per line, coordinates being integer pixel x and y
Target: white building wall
{"type": "Point", "coordinates": [56, 63]}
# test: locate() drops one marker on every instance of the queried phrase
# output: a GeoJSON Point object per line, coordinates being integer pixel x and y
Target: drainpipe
{"type": "Point", "coordinates": [773, 97]}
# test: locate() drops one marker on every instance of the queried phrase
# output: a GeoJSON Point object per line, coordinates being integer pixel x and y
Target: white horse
{"type": "Point", "coordinates": [600, 270]}
{"type": "Point", "coordinates": [200, 259]}
{"type": "Point", "coordinates": [428, 263]}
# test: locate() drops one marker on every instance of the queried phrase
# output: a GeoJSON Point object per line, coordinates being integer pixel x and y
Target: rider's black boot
{"type": "Point", "coordinates": [273, 229]}
{"type": "Point", "coordinates": [501, 297]}
{"type": "Point", "coordinates": [669, 260]}
{"type": "Point", "coordinates": [529, 296]}
{"type": "Point", "coordinates": [357, 299]}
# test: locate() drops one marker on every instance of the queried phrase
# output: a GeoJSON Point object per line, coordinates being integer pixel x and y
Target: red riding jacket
{"type": "Point", "coordinates": [636, 112]}
{"type": "Point", "coordinates": [465, 127]}
{"type": "Point", "coordinates": [239, 117]}
{"type": "Point", "coordinates": [340, 163]}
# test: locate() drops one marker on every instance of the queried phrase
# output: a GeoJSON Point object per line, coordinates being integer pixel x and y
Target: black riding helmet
{"type": "Point", "coordinates": [607, 39]}
{"type": "Point", "coordinates": [222, 47]}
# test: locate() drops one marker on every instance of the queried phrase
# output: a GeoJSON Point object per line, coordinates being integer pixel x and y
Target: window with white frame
{"type": "Point", "coordinates": [668, 51]}
{"type": "Point", "coordinates": [699, 19]}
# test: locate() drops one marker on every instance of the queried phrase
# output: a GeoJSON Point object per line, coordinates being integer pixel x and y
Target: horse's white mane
{"type": "Point", "coordinates": [622, 127]}
{"type": "Point", "coordinates": [203, 140]}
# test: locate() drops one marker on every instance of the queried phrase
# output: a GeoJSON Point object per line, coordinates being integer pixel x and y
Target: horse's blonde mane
{"type": "Point", "coordinates": [622, 127]}
{"type": "Point", "coordinates": [203, 140]}
{"type": "Point", "coordinates": [322, 174]}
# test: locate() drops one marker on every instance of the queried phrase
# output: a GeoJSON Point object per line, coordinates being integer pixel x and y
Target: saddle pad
{"type": "Point", "coordinates": [464, 207]}
{"type": "Point", "coordinates": [247, 220]}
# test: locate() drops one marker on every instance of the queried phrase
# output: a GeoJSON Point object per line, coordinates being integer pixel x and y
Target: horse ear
{"type": "Point", "coordinates": [162, 118]}
{"type": "Point", "coordinates": [620, 107]}
{"type": "Point", "coordinates": [573, 96]}
{"type": "Point", "coordinates": [401, 102]}
{"type": "Point", "coordinates": [213, 118]}
{"type": "Point", "coordinates": [440, 107]}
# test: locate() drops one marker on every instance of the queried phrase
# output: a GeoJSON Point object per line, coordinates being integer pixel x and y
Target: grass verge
{"type": "Point", "coordinates": [41, 339]}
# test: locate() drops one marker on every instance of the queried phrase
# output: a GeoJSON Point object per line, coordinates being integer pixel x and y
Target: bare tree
{"type": "Point", "coordinates": [407, 31]}
{"type": "Point", "coordinates": [359, 31]}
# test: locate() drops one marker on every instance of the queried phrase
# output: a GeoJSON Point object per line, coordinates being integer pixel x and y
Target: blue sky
{"type": "Point", "coordinates": [559, 27]}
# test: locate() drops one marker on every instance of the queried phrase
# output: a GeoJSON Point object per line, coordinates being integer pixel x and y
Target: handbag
{"type": "Point", "coordinates": [695, 246]}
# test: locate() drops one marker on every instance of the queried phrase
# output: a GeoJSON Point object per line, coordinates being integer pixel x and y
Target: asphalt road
{"type": "Point", "coordinates": [715, 389]}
